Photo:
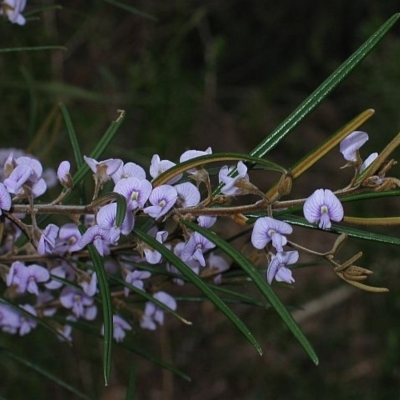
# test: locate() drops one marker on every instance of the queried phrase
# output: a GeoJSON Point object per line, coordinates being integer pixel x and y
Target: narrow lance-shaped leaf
{"type": "Point", "coordinates": [200, 284]}
{"type": "Point", "coordinates": [260, 282]}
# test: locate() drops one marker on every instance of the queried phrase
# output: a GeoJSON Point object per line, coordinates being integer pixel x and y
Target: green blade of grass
{"type": "Point", "coordinates": [261, 283]}
{"type": "Point", "coordinates": [131, 9]}
{"type": "Point", "coordinates": [33, 48]}
{"type": "Point", "coordinates": [315, 99]}
{"type": "Point", "coordinates": [130, 390]}
{"type": "Point", "coordinates": [44, 373]}
{"type": "Point", "coordinates": [200, 284]}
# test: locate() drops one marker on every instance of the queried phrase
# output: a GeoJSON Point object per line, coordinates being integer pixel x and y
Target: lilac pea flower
{"type": "Point", "coordinates": [9, 319]}
{"type": "Point", "coordinates": [66, 331]}
{"type": "Point", "coordinates": [135, 278]}
{"type": "Point", "coordinates": [368, 161]}
{"type": "Point", "coordinates": [194, 265]}
{"type": "Point", "coordinates": [162, 199]}
{"type": "Point", "coordinates": [5, 199]}
{"type": "Point", "coordinates": [190, 154]}
{"type": "Point", "coordinates": [323, 206]}
{"type": "Point", "coordinates": [153, 314]}
{"type": "Point", "coordinates": [34, 165]}
{"type": "Point", "coordinates": [13, 10]}
{"type": "Point", "coordinates": [158, 166]}
{"type": "Point", "coordinates": [230, 182]}
{"type": "Point", "coordinates": [89, 287]}
{"type": "Point", "coordinates": [136, 191]}
{"type": "Point", "coordinates": [195, 247]}
{"type": "Point", "coordinates": [76, 300]}
{"type": "Point", "coordinates": [50, 177]}
{"type": "Point", "coordinates": [26, 278]}
{"type": "Point", "coordinates": [107, 218]}
{"type": "Point", "coordinates": [188, 195]}
{"type": "Point", "coordinates": [217, 265]}
{"type": "Point", "coordinates": [351, 144]}
{"type": "Point", "coordinates": [64, 175]}
{"type": "Point", "coordinates": [267, 229]}
{"type": "Point", "coordinates": [103, 170]}
{"type": "Point", "coordinates": [101, 239]}
{"type": "Point", "coordinates": [277, 267]}
{"type": "Point", "coordinates": [68, 239]}
{"type": "Point", "coordinates": [47, 241]}
{"type": "Point", "coordinates": [26, 324]}
{"type": "Point", "coordinates": [18, 177]}
{"type": "Point", "coordinates": [206, 222]}
{"type": "Point", "coordinates": [43, 299]}
{"type": "Point", "coordinates": [38, 188]}
{"type": "Point", "coordinates": [57, 272]}
{"type": "Point", "coordinates": [153, 256]}
{"type": "Point", "coordinates": [129, 170]}
{"type": "Point", "coordinates": [120, 326]}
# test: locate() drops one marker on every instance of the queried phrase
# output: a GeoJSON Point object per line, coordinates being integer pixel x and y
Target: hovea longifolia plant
{"type": "Point", "coordinates": [114, 259]}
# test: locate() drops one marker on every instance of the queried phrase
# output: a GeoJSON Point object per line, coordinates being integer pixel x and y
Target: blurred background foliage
{"type": "Point", "coordinates": [193, 74]}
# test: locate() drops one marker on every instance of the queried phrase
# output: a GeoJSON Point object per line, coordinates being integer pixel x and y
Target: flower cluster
{"type": "Point", "coordinates": [55, 275]}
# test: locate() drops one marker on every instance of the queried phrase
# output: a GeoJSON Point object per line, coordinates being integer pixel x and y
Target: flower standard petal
{"type": "Point", "coordinates": [162, 199]}
{"type": "Point", "coordinates": [188, 194]}
{"type": "Point", "coordinates": [268, 229]}
{"type": "Point", "coordinates": [5, 199]}
{"type": "Point", "coordinates": [351, 144]}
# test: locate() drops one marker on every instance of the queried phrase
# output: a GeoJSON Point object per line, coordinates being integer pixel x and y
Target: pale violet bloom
{"type": "Point", "coordinates": [188, 195]}
{"type": "Point", "coordinates": [190, 154]}
{"type": "Point", "coordinates": [135, 278]}
{"type": "Point", "coordinates": [350, 145]}
{"type": "Point", "coordinates": [323, 206]}
{"type": "Point", "coordinates": [26, 278]}
{"type": "Point", "coordinates": [129, 170]}
{"type": "Point", "coordinates": [9, 319]}
{"type": "Point", "coordinates": [107, 218]}
{"type": "Point", "coordinates": [194, 265]}
{"type": "Point", "coordinates": [368, 161]}
{"type": "Point", "coordinates": [68, 239]}
{"type": "Point", "coordinates": [277, 267]}
{"type": "Point", "coordinates": [5, 199]}
{"type": "Point", "coordinates": [89, 287]}
{"type": "Point", "coordinates": [17, 178]}
{"type": "Point", "coordinates": [158, 166]}
{"type": "Point", "coordinates": [230, 182]}
{"type": "Point", "coordinates": [64, 175]}
{"type": "Point", "coordinates": [153, 313]}
{"type": "Point", "coordinates": [195, 248]}
{"type": "Point", "coordinates": [267, 229]}
{"type": "Point", "coordinates": [103, 170]}
{"type": "Point", "coordinates": [47, 241]}
{"type": "Point", "coordinates": [78, 302]}
{"type": "Point", "coordinates": [162, 199]}
{"type": "Point", "coordinates": [13, 10]}
{"type": "Point", "coordinates": [218, 265]}
{"type": "Point", "coordinates": [26, 324]}
{"type": "Point", "coordinates": [54, 283]}
{"type": "Point", "coordinates": [120, 326]}
{"type": "Point", "coordinates": [153, 256]}
{"type": "Point", "coordinates": [101, 239]}
{"type": "Point", "coordinates": [135, 190]}
{"type": "Point", "coordinates": [206, 222]}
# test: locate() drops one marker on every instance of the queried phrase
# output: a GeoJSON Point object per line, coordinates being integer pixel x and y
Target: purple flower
{"type": "Point", "coordinates": [89, 286]}
{"type": "Point", "coordinates": [57, 272]}
{"type": "Point", "coordinates": [153, 256]}
{"type": "Point", "coordinates": [5, 199]}
{"type": "Point", "coordinates": [47, 241]}
{"type": "Point", "coordinates": [162, 199]}
{"type": "Point", "coordinates": [9, 319]}
{"type": "Point", "coordinates": [103, 170]}
{"type": "Point", "coordinates": [188, 194]}
{"type": "Point", "coordinates": [26, 278]}
{"type": "Point", "coordinates": [368, 161]}
{"type": "Point", "coordinates": [18, 177]}
{"type": "Point", "coordinates": [64, 175]}
{"type": "Point", "coordinates": [135, 278]}
{"type": "Point", "coordinates": [217, 265]}
{"type": "Point", "coordinates": [153, 313]}
{"type": "Point", "coordinates": [206, 222]}
{"type": "Point", "coordinates": [277, 267]}
{"type": "Point", "coordinates": [230, 187]}
{"type": "Point", "coordinates": [158, 166]}
{"type": "Point", "coordinates": [26, 324]}
{"type": "Point", "coordinates": [129, 170]}
{"type": "Point", "coordinates": [136, 191]}
{"type": "Point", "coordinates": [68, 239]}
{"type": "Point", "coordinates": [101, 239]}
{"type": "Point", "coordinates": [350, 145]}
{"type": "Point", "coordinates": [267, 229]}
{"type": "Point", "coordinates": [120, 326]}
{"type": "Point", "coordinates": [190, 154]}
{"type": "Point", "coordinates": [323, 206]}
{"type": "Point", "coordinates": [195, 247]}
{"type": "Point", "coordinates": [13, 10]}
{"type": "Point", "coordinates": [107, 217]}
{"type": "Point", "coordinates": [80, 303]}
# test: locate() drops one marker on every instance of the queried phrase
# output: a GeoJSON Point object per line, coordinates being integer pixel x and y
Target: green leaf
{"type": "Point", "coordinates": [316, 98]}
{"type": "Point", "coordinates": [33, 48]}
{"type": "Point", "coordinates": [131, 9]}
{"type": "Point", "coordinates": [107, 308]}
{"type": "Point", "coordinates": [339, 228]}
{"type": "Point", "coordinates": [44, 373]}
{"type": "Point", "coordinates": [130, 390]}
{"type": "Point", "coordinates": [72, 136]}
{"type": "Point", "coordinates": [260, 282]}
{"type": "Point", "coordinates": [200, 284]}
